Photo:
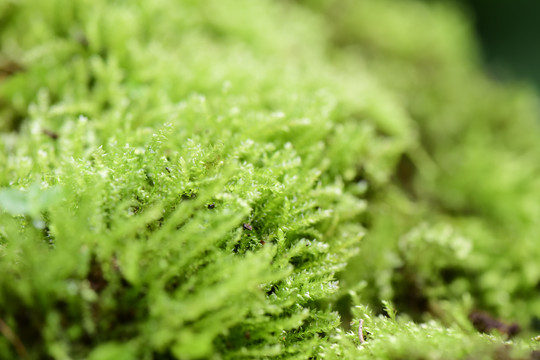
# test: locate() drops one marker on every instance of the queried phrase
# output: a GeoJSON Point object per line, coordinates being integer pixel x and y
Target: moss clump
{"type": "Point", "coordinates": [189, 180]}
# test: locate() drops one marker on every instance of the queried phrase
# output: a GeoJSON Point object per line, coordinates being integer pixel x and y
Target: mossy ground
{"type": "Point", "coordinates": [250, 179]}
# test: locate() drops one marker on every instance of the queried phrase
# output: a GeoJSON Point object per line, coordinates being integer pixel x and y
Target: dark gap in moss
{"type": "Point", "coordinates": [47, 235]}
{"type": "Point", "coordinates": [13, 119]}
{"type": "Point", "coordinates": [107, 105]}
{"type": "Point", "coordinates": [155, 225]}
{"type": "Point", "coordinates": [449, 274]}
{"type": "Point", "coordinates": [367, 220]}
{"type": "Point", "coordinates": [273, 289]}
{"type": "Point", "coordinates": [190, 195]}
{"type": "Point", "coordinates": [299, 261]}
{"type": "Point", "coordinates": [362, 176]}
{"type": "Point", "coordinates": [167, 355]}
{"type": "Point", "coordinates": [409, 296]}
{"type": "Point", "coordinates": [174, 282]}
{"type": "Point", "coordinates": [343, 306]}
{"type": "Point", "coordinates": [27, 323]}
{"type": "Point", "coordinates": [130, 308]}
{"type": "Point", "coordinates": [405, 173]}
{"type": "Point", "coordinates": [149, 178]}
{"type": "Point", "coordinates": [95, 275]}
{"type": "Point", "coordinates": [91, 82]}
{"type": "Point", "coordinates": [121, 321]}
{"type": "Point", "coordinates": [535, 323]}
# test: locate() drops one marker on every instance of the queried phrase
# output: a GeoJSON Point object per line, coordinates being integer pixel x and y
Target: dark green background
{"type": "Point", "coordinates": [509, 31]}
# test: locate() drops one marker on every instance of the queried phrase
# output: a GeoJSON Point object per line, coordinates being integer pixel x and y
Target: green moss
{"type": "Point", "coordinates": [191, 179]}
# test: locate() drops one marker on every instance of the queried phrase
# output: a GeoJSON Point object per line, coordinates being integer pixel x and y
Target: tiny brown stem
{"type": "Point", "coordinates": [14, 339]}
{"type": "Point", "coordinates": [50, 133]}
{"type": "Point", "coordinates": [360, 331]}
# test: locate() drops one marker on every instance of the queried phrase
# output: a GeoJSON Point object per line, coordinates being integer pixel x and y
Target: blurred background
{"type": "Point", "coordinates": [509, 33]}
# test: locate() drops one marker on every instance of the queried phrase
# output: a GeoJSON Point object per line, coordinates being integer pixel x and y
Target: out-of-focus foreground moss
{"type": "Point", "coordinates": [190, 179]}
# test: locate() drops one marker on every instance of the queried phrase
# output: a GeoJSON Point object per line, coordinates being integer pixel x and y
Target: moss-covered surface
{"type": "Point", "coordinates": [230, 179]}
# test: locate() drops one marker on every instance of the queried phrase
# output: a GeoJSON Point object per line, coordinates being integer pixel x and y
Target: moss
{"type": "Point", "coordinates": [240, 179]}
